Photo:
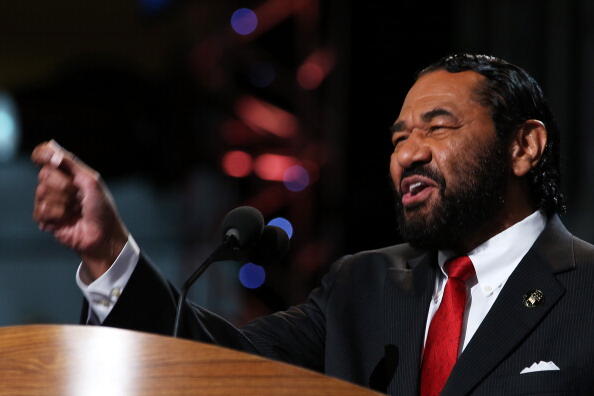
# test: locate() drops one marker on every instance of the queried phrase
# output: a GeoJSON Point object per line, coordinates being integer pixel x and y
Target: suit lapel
{"type": "Point", "coordinates": [509, 321]}
{"type": "Point", "coordinates": [408, 290]}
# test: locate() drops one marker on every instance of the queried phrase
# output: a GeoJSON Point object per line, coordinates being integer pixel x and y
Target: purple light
{"type": "Point", "coordinates": [283, 224]}
{"type": "Point", "coordinates": [251, 275]}
{"type": "Point", "coordinates": [296, 178]}
{"type": "Point", "coordinates": [244, 21]}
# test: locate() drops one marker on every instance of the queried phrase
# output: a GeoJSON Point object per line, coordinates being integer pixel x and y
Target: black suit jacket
{"type": "Point", "coordinates": [366, 322]}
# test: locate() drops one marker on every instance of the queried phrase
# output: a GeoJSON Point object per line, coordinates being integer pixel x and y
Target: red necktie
{"type": "Point", "coordinates": [443, 339]}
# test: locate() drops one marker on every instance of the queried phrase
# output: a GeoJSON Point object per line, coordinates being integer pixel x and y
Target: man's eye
{"type": "Point", "coordinates": [437, 128]}
{"type": "Point", "coordinates": [398, 140]}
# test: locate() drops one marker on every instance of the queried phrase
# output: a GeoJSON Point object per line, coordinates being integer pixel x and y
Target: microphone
{"type": "Point", "coordinates": [242, 228]}
{"type": "Point", "coordinates": [272, 247]}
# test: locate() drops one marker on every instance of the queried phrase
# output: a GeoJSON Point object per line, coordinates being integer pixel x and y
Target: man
{"type": "Point", "coordinates": [492, 295]}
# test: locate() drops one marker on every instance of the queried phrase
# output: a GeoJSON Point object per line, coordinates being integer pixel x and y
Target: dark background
{"type": "Point", "coordinates": [149, 93]}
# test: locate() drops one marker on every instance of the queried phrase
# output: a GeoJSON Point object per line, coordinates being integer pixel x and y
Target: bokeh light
{"type": "Point", "coordinates": [296, 178]}
{"type": "Point", "coordinates": [264, 116]}
{"type": "Point", "coordinates": [244, 21]}
{"type": "Point", "coordinates": [153, 6]}
{"type": "Point", "coordinates": [237, 163]}
{"type": "Point", "coordinates": [310, 76]}
{"type": "Point", "coordinates": [252, 275]}
{"type": "Point", "coordinates": [10, 133]}
{"type": "Point", "coordinates": [273, 166]}
{"type": "Point", "coordinates": [283, 224]}
{"type": "Point", "coordinates": [315, 69]}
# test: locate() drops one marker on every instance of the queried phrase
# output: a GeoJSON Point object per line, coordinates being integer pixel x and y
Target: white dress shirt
{"type": "Point", "coordinates": [103, 292]}
{"type": "Point", "coordinates": [494, 260]}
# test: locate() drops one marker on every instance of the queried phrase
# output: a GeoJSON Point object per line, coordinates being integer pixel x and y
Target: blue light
{"type": "Point", "coordinates": [251, 275]}
{"type": "Point", "coordinates": [10, 133]}
{"type": "Point", "coordinates": [153, 6]}
{"type": "Point", "coordinates": [296, 178]}
{"type": "Point", "coordinates": [244, 21]}
{"type": "Point", "coordinates": [283, 224]}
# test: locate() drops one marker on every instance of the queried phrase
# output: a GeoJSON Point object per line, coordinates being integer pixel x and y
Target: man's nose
{"type": "Point", "coordinates": [413, 150]}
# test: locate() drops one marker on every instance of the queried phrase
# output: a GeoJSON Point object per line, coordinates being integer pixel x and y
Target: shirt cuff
{"type": "Point", "coordinates": [103, 293]}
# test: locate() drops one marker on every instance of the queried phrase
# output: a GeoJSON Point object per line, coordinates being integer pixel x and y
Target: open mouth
{"type": "Point", "coordinates": [416, 189]}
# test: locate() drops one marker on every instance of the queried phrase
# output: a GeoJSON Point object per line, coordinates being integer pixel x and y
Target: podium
{"type": "Point", "coordinates": [87, 361]}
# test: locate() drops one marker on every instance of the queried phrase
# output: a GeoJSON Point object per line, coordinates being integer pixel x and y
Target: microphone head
{"type": "Point", "coordinates": [272, 247]}
{"type": "Point", "coordinates": [245, 224]}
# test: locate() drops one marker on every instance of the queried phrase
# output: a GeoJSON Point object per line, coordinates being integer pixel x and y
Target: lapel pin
{"type": "Point", "coordinates": [533, 298]}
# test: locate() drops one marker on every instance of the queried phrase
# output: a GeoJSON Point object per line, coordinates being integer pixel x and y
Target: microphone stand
{"type": "Point", "coordinates": [229, 244]}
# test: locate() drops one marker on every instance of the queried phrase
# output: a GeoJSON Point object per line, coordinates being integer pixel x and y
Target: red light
{"type": "Point", "coordinates": [273, 166]}
{"type": "Point", "coordinates": [310, 76]}
{"type": "Point", "coordinates": [315, 69]}
{"type": "Point", "coordinates": [237, 163]}
{"type": "Point", "coordinates": [265, 116]}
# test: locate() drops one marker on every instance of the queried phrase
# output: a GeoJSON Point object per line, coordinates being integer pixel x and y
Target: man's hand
{"type": "Point", "coordinates": [74, 205]}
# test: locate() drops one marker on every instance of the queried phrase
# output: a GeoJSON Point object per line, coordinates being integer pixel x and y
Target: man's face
{"type": "Point", "coordinates": [448, 166]}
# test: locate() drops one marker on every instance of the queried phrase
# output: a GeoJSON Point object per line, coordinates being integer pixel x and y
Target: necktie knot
{"type": "Point", "coordinates": [460, 268]}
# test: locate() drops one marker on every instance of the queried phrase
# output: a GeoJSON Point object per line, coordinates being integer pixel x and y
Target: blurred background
{"type": "Point", "coordinates": [189, 108]}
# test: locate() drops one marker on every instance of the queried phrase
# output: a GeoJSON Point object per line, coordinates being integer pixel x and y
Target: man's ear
{"type": "Point", "coordinates": [527, 146]}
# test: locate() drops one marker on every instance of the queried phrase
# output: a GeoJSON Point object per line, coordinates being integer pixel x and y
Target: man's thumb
{"type": "Point", "coordinates": [52, 154]}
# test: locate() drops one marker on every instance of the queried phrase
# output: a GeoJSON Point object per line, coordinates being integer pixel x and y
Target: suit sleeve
{"type": "Point", "coordinates": [296, 336]}
{"type": "Point", "coordinates": [148, 303]}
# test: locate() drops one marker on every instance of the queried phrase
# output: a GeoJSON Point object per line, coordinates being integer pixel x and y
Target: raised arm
{"type": "Point", "coordinates": [73, 203]}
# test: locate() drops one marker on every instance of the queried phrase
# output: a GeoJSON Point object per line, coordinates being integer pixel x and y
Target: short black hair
{"type": "Point", "coordinates": [513, 97]}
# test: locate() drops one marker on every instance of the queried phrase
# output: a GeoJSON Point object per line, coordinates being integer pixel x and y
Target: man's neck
{"type": "Point", "coordinates": [494, 226]}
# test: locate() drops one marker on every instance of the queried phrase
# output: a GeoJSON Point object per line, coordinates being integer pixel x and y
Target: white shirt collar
{"type": "Point", "coordinates": [495, 259]}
